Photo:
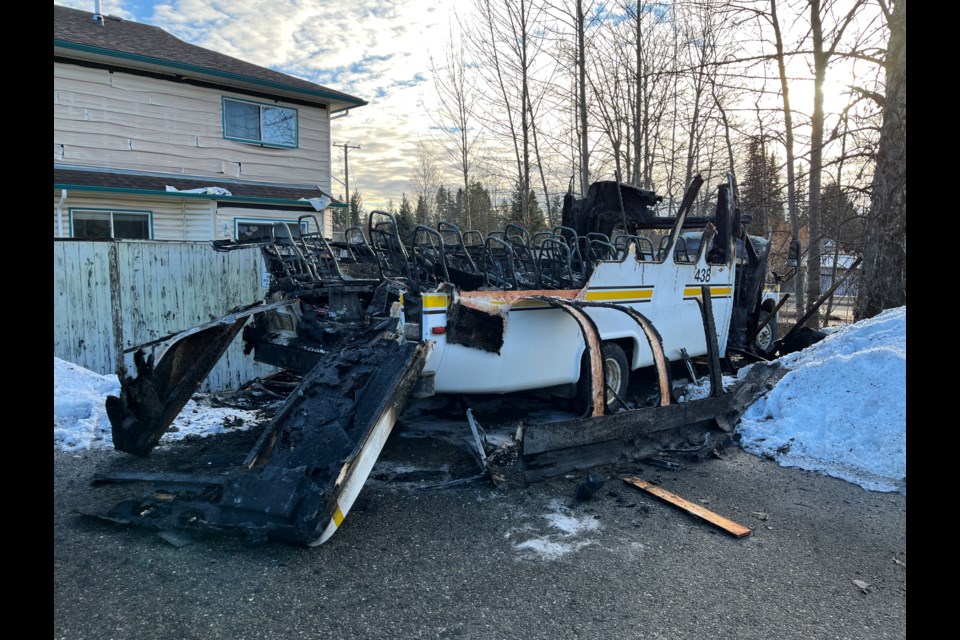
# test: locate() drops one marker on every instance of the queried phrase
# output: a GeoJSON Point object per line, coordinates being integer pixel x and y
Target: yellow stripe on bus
{"type": "Point", "coordinates": [714, 291]}
{"type": "Point", "coordinates": [435, 301]}
{"type": "Point", "coordinates": [623, 294]}
{"type": "Point", "coordinates": [337, 516]}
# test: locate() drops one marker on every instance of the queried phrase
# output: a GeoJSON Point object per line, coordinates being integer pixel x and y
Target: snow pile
{"type": "Point", "coordinates": [79, 416]}
{"type": "Point", "coordinates": [841, 410]}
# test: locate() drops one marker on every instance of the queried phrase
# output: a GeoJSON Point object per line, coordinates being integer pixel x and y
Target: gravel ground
{"type": "Point", "coordinates": [475, 562]}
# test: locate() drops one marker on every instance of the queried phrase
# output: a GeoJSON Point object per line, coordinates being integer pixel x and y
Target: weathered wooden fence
{"type": "Point", "coordinates": [110, 296]}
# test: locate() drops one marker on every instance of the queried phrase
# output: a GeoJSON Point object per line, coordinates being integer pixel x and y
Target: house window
{"type": "Point", "coordinates": [264, 124]}
{"type": "Point", "coordinates": [262, 229]}
{"type": "Point", "coordinates": [104, 223]}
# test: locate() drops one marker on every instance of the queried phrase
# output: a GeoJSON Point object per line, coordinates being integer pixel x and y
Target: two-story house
{"type": "Point", "coordinates": [155, 138]}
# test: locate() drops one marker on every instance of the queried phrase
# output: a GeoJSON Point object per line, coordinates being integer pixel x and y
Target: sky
{"type": "Point", "coordinates": [376, 50]}
{"type": "Point", "coordinates": [379, 51]}
{"type": "Point", "coordinates": [840, 411]}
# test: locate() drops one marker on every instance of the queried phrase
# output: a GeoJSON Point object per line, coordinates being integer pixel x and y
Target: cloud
{"type": "Point", "coordinates": [119, 8]}
{"type": "Point", "coordinates": [377, 50]}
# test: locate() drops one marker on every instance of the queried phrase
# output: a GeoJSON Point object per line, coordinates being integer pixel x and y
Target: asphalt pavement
{"type": "Point", "coordinates": [826, 559]}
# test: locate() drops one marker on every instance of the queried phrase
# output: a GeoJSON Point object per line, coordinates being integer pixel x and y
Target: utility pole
{"type": "Point", "coordinates": [346, 166]}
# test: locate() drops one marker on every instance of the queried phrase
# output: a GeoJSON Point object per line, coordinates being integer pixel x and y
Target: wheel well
{"type": "Point", "coordinates": [627, 344]}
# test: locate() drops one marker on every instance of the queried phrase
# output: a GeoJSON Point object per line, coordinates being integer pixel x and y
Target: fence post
{"type": "Point", "coordinates": [116, 310]}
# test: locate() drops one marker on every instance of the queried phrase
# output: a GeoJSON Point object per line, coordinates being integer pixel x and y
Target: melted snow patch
{"type": "Point", "coordinates": [200, 418]}
{"type": "Point", "coordinates": [549, 549]}
{"type": "Point", "coordinates": [571, 525]}
{"type": "Point", "coordinates": [701, 390]}
{"type": "Point", "coordinates": [553, 546]}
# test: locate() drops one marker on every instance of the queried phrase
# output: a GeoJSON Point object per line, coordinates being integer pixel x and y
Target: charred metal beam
{"type": "Point", "coordinates": [149, 402]}
{"type": "Point", "coordinates": [230, 318]}
{"type": "Point", "coordinates": [689, 363]}
{"type": "Point", "coordinates": [816, 305]}
{"type": "Point", "coordinates": [539, 438]}
{"type": "Point", "coordinates": [542, 451]}
{"type": "Point", "coordinates": [303, 474]}
{"type": "Point", "coordinates": [710, 332]}
{"type": "Point", "coordinates": [116, 477]}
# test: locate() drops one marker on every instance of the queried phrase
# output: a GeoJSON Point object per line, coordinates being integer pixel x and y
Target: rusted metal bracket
{"type": "Point", "coordinates": [664, 376]}
{"type": "Point", "coordinates": [591, 338]}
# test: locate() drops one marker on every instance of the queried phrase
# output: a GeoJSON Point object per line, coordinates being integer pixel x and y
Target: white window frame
{"type": "Point", "coordinates": [263, 108]}
{"type": "Point", "coordinates": [262, 221]}
{"type": "Point", "coordinates": [139, 212]}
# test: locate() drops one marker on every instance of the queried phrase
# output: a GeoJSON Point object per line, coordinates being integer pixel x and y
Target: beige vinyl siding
{"type": "Point", "coordinates": [121, 120]}
{"type": "Point", "coordinates": [227, 216]}
{"type": "Point", "coordinates": [173, 218]}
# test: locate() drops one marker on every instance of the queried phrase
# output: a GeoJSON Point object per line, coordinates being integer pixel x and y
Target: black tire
{"type": "Point", "coordinates": [766, 338]}
{"type": "Point", "coordinates": [616, 371]}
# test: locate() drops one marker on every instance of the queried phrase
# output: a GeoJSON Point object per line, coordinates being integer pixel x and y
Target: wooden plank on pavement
{"type": "Point", "coordinates": [729, 526]}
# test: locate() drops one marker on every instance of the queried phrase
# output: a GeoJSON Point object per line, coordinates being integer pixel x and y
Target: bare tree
{"type": "Point", "coordinates": [427, 177]}
{"type": "Point", "coordinates": [611, 100]}
{"type": "Point", "coordinates": [885, 254]}
{"type": "Point", "coordinates": [700, 51]}
{"type": "Point", "coordinates": [507, 45]}
{"type": "Point", "coordinates": [580, 26]}
{"type": "Point", "coordinates": [792, 207]}
{"type": "Point", "coordinates": [456, 95]}
{"type": "Point", "coordinates": [824, 47]}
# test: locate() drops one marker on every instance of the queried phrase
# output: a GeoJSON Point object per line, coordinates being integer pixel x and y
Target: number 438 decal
{"type": "Point", "coordinates": [702, 275]}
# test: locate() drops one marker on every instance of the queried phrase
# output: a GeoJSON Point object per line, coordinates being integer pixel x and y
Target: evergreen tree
{"type": "Point", "coordinates": [535, 220]}
{"type": "Point", "coordinates": [481, 208]}
{"type": "Point", "coordinates": [405, 221]}
{"type": "Point", "coordinates": [556, 206]}
{"type": "Point", "coordinates": [446, 206]}
{"type": "Point", "coordinates": [422, 212]}
{"type": "Point", "coordinates": [340, 215]}
{"type": "Point", "coordinates": [761, 190]}
{"type": "Point", "coordinates": [357, 210]}
{"type": "Point", "coordinates": [460, 219]}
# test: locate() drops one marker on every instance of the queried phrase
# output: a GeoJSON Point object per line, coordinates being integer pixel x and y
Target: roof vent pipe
{"type": "Point", "coordinates": [97, 15]}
